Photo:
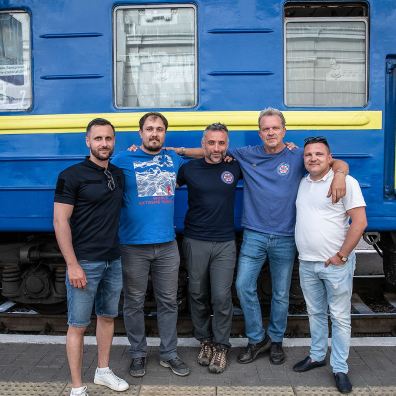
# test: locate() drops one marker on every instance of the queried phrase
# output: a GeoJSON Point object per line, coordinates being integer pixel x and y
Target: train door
{"type": "Point", "coordinates": [387, 241]}
{"type": "Point", "coordinates": [390, 128]}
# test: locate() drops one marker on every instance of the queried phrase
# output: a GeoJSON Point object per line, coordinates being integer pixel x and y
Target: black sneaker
{"type": "Point", "coordinates": [177, 366]}
{"type": "Point", "coordinates": [138, 367]}
{"type": "Point", "coordinates": [253, 350]}
{"type": "Point", "coordinates": [277, 354]}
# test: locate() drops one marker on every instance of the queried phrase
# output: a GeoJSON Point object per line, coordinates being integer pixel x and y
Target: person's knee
{"type": "Point", "coordinates": [221, 301]}
{"type": "Point", "coordinates": [134, 298]}
{"type": "Point", "coordinates": [105, 320]}
{"type": "Point", "coordinates": [76, 331]}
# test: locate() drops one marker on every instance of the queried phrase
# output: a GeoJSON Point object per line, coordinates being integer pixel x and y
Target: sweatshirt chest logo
{"type": "Point", "coordinates": [283, 169]}
{"type": "Point", "coordinates": [227, 177]}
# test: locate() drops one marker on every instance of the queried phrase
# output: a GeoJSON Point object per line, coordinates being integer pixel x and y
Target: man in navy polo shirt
{"type": "Point", "coordinates": [87, 208]}
{"type": "Point", "coordinates": [209, 244]}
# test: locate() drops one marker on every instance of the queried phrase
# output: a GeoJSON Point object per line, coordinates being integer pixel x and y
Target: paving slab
{"type": "Point", "coordinates": [42, 370]}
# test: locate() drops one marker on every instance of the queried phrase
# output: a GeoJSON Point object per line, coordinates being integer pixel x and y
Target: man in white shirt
{"type": "Point", "coordinates": [325, 241]}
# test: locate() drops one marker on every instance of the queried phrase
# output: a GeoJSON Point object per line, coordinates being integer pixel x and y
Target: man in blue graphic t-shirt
{"type": "Point", "coordinates": [271, 174]}
{"type": "Point", "coordinates": [148, 245]}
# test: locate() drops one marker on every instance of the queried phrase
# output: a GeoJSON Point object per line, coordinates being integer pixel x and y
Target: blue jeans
{"type": "Point", "coordinates": [280, 251]}
{"type": "Point", "coordinates": [104, 284]}
{"type": "Point", "coordinates": [162, 262]}
{"type": "Point", "coordinates": [329, 288]}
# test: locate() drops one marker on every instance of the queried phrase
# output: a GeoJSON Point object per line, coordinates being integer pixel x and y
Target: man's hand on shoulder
{"type": "Point", "coordinates": [291, 145]}
{"type": "Point", "coordinates": [133, 147]}
{"type": "Point", "coordinates": [337, 188]}
{"type": "Point", "coordinates": [228, 158]}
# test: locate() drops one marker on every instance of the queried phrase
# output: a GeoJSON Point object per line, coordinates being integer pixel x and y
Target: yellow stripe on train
{"type": "Point", "coordinates": [188, 121]}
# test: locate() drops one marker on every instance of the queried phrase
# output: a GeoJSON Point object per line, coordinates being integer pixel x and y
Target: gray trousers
{"type": "Point", "coordinates": [163, 261]}
{"type": "Point", "coordinates": [210, 268]}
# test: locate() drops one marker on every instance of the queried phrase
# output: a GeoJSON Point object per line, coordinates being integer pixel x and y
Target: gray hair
{"type": "Point", "coordinates": [216, 126]}
{"type": "Point", "coordinates": [269, 111]}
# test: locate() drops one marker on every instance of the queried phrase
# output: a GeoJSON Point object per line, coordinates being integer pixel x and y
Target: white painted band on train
{"type": "Point", "coordinates": [187, 342]}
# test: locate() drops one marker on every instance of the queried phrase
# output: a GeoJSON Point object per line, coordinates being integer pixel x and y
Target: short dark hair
{"type": "Point", "coordinates": [154, 115]}
{"type": "Point", "coordinates": [99, 121]}
{"type": "Point", "coordinates": [216, 126]}
{"type": "Point", "coordinates": [316, 139]}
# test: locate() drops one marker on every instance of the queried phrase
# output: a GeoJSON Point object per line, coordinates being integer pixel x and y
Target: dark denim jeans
{"type": "Point", "coordinates": [163, 261]}
{"type": "Point", "coordinates": [280, 251]}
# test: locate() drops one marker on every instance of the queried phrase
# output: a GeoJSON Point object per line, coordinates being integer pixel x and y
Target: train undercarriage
{"type": "Point", "coordinates": [32, 272]}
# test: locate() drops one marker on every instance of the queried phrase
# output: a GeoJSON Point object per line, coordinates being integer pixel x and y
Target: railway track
{"type": "Point", "coordinates": [376, 324]}
{"type": "Point", "coordinates": [373, 313]}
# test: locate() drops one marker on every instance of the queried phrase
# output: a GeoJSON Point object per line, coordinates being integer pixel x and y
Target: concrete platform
{"type": "Point", "coordinates": [42, 370]}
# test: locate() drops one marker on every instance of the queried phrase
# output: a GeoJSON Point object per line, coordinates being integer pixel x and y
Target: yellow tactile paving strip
{"type": "Point", "coordinates": [323, 391]}
{"type": "Point", "coordinates": [172, 390]}
{"type": "Point", "coordinates": [31, 388]}
{"type": "Point", "coordinates": [255, 391]}
{"type": "Point", "coordinates": [63, 389]}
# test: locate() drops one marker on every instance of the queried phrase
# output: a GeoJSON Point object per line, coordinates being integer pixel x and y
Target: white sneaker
{"type": "Point", "coordinates": [109, 379]}
{"type": "Point", "coordinates": [80, 392]}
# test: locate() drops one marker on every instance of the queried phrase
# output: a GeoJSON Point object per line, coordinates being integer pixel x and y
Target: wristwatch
{"type": "Point", "coordinates": [344, 259]}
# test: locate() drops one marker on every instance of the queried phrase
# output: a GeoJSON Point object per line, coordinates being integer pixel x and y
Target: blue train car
{"type": "Point", "coordinates": [329, 65]}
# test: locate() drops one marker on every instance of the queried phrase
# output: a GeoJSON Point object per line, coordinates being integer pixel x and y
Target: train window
{"type": "Point", "coordinates": [326, 55]}
{"type": "Point", "coordinates": [155, 56]}
{"type": "Point", "coordinates": [15, 61]}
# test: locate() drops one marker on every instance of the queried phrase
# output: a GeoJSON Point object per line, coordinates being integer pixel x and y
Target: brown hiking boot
{"type": "Point", "coordinates": [205, 354]}
{"type": "Point", "coordinates": [219, 360]}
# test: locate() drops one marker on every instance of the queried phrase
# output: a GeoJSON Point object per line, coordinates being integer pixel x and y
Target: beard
{"type": "Point", "coordinates": [154, 148]}
{"type": "Point", "coordinates": [102, 155]}
{"type": "Point", "coordinates": [217, 158]}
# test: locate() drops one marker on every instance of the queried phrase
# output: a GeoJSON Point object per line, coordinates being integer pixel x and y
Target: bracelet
{"type": "Point", "coordinates": [340, 171]}
{"type": "Point", "coordinates": [182, 151]}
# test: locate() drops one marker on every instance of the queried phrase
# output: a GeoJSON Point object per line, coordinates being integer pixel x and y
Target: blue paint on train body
{"type": "Point", "coordinates": [240, 67]}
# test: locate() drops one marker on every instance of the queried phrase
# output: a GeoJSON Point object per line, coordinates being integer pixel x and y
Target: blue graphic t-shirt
{"type": "Point", "coordinates": [270, 188]}
{"type": "Point", "coordinates": [149, 192]}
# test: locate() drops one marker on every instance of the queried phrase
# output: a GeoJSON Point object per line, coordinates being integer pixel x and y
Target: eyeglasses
{"type": "Point", "coordinates": [316, 139]}
{"type": "Point", "coordinates": [110, 180]}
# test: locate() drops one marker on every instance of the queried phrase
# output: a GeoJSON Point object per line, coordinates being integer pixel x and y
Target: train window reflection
{"type": "Point", "coordinates": [155, 56]}
{"type": "Point", "coordinates": [15, 64]}
{"type": "Point", "coordinates": [326, 62]}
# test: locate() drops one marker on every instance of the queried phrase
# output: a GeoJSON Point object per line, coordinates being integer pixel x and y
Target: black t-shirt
{"type": "Point", "coordinates": [96, 212]}
{"type": "Point", "coordinates": [211, 196]}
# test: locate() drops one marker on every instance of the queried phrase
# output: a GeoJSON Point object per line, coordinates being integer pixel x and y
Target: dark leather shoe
{"type": "Point", "coordinates": [253, 350]}
{"type": "Point", "coordinates": [307, 364]}
{"type": "Point", "coordinates": [138, 367]}
{"type": "Point", "coordinates": [342, 382]}
{"type": "Point", "coordinates": [277, 354]}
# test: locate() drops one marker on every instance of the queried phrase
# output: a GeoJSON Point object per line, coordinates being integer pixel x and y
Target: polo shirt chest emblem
{"type": "Point", "coordinates": [283, 169]}
{"type": "Point", "coordinates": [227, 177]}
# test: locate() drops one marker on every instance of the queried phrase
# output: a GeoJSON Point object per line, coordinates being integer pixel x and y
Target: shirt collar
{"type": "Point", "coordinates": [91, 164]}
{"type": "Point", "coordinates": [330, 173]}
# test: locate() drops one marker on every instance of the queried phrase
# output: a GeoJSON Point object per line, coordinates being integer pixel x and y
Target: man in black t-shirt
{"type": "Point", "coordinates": [209, 244]}
{"type": "Point", "coordinates": [87, 207]}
